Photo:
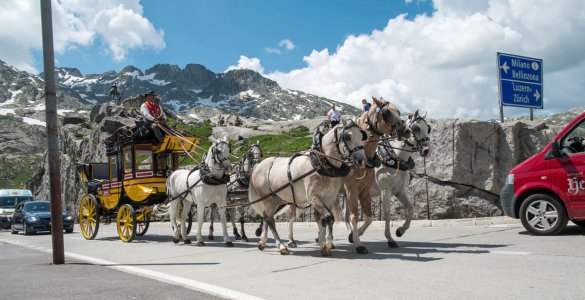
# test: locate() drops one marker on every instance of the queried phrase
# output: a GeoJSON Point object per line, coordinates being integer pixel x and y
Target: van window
{"type": "Point", "coordinates": [12, 201]}
{"type": "Point", "coordinates": [573, 142]}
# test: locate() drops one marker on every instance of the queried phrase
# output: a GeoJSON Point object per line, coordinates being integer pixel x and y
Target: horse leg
{"type": "Point", "coordinates": [173, 221]}
{"type": "Point", "coordinates": [226, 238]}
{"type": "Point", "coordinates": [403, 198]}
{"type": "Point", "coordinates": [269, 220]}
{"type": "Point", "coordinates": [324, 222]}
{"type": "Point", "coordinates": [242, 212]}
{"type": "Point", "coordinates": [263, 229]}
{"type": "Point", "coordinates": [184, 219]}
{"type": "Point", "coordinates": [366, 204]}
{"type": "Point", "coordinates": [232, 213]}
{"type": "Point", "coordinates": [212, 212]}
{"type": "Point", "coordinates": [259, 230]}
{"type": "Point", "coordinates": [292, 213]}
{"type": "Point", "coordinates": [200, 217]}
{"type": "Point", "coordinates": [354, 236]}
{"type": "Point", "coordinates": [387, 218]}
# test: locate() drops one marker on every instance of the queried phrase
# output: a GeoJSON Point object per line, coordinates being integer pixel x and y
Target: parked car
{"type": "Point", "coordinates": [548, 189]}
{"type": "Point", "coordinates": [9, 199]}
{"type": "Point", "coordinates": [33, 216]}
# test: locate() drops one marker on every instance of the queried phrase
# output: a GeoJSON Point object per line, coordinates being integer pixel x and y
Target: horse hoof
{"type": "Point", "coordinates": [261, 247]}
{"type": "Point", "coordinates": [245, 239]}
{"type": "Point", "coordinates": [361, 250]}
{"type": "Point", "coordinates": [229, 244]}
{"type": "Point", "coordinates": [350, 238]}
{"type": "Point", "coordinates": [284, 251]}
{"type": "Point", "coordinates": [292, 244]}
{"type": "Point", "coordinates": [258, 232]}
{"type": "Point", "coordinates": [201, 243]}
{"type": "Point", "coordinates": [392, 244]}
{"type": "Point", "coordinates": [176, 241]}
{"type": "Point", "coordinates": [238, 237]}
{"type": "Point", "coordinates": [325, 251]}
{"type": "Point", "coordinates": [399, 232]}
{"type": "Point", "coordinates": [210, 237]}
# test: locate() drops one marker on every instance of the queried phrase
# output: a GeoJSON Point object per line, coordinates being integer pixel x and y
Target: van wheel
{"type": "Point", "coordinates": [542, 214]}
{"type": "Point", "coordinates": [579, 223]}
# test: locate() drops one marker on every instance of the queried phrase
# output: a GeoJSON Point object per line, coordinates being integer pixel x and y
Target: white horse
{"type": "Point", "coordinates": [204, 186]}
{"type": "Point", "coordinates": [393, 176]}
{"type": "Point", "coordinates": [278, 181]}
{"type": "Point", "coordinates": [238, 189]}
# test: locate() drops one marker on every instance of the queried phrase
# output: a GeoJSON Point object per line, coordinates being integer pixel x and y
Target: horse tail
{"type": "Point", "coordinates": [161, 210]}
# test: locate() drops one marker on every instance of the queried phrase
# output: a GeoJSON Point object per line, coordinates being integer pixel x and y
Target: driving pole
{"type": "Point", "coordinates": [52, 134]}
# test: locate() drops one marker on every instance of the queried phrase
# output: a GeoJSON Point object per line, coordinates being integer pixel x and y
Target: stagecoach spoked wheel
{"type": "Point", "coordinates": [143, 221]}
{"type": "Point", "coordinates": [126, 223]}
{"type": "Point", "coordinates": [89, 221]}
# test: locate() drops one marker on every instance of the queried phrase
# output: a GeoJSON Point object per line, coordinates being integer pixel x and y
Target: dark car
{"type": "Point", "coordinates": [30, 217]}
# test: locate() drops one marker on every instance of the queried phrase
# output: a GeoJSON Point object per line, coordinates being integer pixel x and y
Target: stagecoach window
{"type": "Point", "coordinates": [143, 160]}
{"type": "Point", "coordinates": [113, 168]}
{"type": "Point", "coordinates": [127, 160]}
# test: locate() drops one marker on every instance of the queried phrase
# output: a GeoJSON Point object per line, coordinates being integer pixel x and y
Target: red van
{"type": "Point", "coordinates": [548, 189]}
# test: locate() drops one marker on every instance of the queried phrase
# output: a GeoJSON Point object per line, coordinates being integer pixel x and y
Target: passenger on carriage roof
{"type": "Point", "coordinates": [153, 114]}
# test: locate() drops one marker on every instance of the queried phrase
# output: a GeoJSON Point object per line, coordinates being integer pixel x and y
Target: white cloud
{"type": "Point", "coordinates": [284, 45]}
{"type": "Point", "coordinates": [273, 50]}
{"type": "Point", "coordinates": [287, 44]}
{"type": "Point", "coordinates": [247, 63]}
{"type": "Point", "coordinates": [76, 23]}
{"type": "Point", "coordinates": [446, 63]}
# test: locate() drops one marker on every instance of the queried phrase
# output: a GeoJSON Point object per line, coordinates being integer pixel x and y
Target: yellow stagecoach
{"type": "Point", "coordinates": [130, 183]}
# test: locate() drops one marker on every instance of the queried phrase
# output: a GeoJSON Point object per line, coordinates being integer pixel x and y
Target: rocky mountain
{"type": "Point", "coordinates": [192, 91]}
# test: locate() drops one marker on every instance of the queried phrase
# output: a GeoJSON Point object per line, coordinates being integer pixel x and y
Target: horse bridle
{"type": "Point", "coordinates": [383, 112]}
{"type": "Point", "coordinates": [343, 137]}
{"type": "Point", "coordinates": [415, 128]}
{"type": "Point", "coordinates": [215, 153]}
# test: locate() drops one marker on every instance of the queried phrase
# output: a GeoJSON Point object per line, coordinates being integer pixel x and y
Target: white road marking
{"type": "Point", "coordinates": [159, 276]}
{"type": "Point", "coordinates": [510, 252]}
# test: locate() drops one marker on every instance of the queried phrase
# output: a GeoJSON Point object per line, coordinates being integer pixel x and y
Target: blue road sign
{"type": "Point", "coordinates": [520, 81]}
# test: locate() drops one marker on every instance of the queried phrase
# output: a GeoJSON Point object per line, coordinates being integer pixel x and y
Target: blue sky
{"type": "Point", "coordinates": [437, 56]}
{"type": "Point", "coordinates": [216, 33]}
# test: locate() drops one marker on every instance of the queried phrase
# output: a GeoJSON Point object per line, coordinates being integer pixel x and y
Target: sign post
{"type": "Point", "coordinates": [519, 82]}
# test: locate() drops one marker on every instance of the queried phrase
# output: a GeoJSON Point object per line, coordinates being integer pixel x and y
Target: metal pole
{"type": "Point", "coordinates": [501, 113]}
{"type": "Point", "coordinates": [531, 114]}
{"type": "Point", "coordinates": [52, 134]}
{"type": "Point", "coordinates": [427, 188]}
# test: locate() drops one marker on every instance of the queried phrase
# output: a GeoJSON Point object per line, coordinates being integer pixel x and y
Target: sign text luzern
{"type": "Point", "coordinates": [520, 81]}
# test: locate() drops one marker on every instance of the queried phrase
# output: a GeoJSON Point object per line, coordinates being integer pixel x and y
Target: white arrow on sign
{"type": "Point", "coordinates": [505, 67]}
{"type": "Point", "coordinates": [537, 95]}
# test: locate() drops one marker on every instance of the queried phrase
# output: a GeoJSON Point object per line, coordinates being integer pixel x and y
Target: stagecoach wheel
{"type": "Point", "coordinates": [189, 221]}
{"type": "Point", "coordinates": [126, 223]}
{"type": "Point", "coordinates": [89, 221]}
{"type": "Point", "coordinates": [542, 214]}
{"type": "Point", "coordinates": [143, 221]}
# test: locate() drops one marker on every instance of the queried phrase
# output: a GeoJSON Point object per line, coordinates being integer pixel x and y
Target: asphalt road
{"type": "Point", "coordinates": [451, 261]}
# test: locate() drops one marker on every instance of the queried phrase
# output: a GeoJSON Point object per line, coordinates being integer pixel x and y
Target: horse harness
{"type": "Point", "coordinates": [383, 112]}
{"type": "Point", "coordinates": [205, 175]}
{"type": "Point", "coordinates": [389, 159]}
{"type": "Point", "coordinates": [319, 162]}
